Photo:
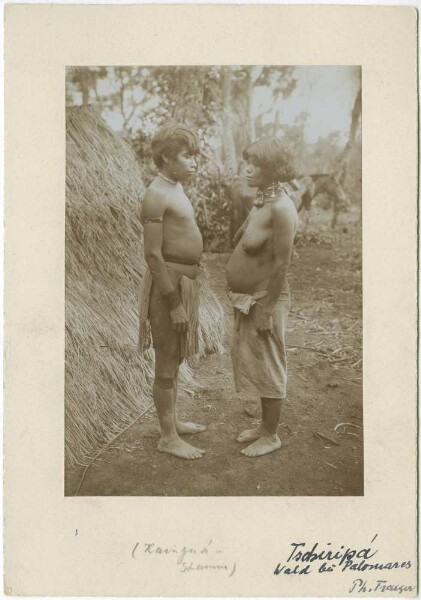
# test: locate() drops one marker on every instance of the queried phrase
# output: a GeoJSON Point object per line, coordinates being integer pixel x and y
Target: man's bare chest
{"type": "Point", "coordinates": [180, 208]}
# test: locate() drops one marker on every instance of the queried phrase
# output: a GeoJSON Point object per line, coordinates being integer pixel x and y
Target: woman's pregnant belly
{"type": "Point", "coordinates": [247, 273]}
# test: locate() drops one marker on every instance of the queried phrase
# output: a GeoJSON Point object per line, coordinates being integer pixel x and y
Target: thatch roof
{"type": "Point", "coordinates": [107, 382]}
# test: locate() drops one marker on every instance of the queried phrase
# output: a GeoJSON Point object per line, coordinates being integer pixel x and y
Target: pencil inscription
{"type": "Point", "coordinates": [207, 557]}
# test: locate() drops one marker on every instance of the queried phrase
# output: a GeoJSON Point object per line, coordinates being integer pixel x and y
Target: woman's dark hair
{"type": "Point", "coordinates": [171, 139]}
{"type": "Point", "coordinates": [273, 157]}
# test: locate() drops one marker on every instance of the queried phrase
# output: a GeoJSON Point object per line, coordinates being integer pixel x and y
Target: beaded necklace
{"type": "Point", "coordinates": [168, 179]}
{"type": "Point", "coordinates": [269, 194]}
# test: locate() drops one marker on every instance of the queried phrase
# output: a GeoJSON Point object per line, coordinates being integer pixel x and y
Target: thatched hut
{"type": "Point", "coordinates": [108, 382]}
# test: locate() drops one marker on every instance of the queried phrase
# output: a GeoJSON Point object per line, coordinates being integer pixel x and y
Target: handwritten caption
{"type": "Point", "coordinates": [188, 559]}
{"type": "Point", "coordinates": [304, 559]}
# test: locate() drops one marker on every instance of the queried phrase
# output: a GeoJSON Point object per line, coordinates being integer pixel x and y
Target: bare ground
{"type": "Point", "coordinates": [324, 390]}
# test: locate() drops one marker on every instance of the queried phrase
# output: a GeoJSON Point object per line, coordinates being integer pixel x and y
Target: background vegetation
{"type": "Point", "coordinates": [228, 107]}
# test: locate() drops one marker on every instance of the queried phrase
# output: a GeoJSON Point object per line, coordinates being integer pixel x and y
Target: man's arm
{"type": "Point", "coordinates": [152, 215]}
{"type": "Point", "coordinates": [283, 223]}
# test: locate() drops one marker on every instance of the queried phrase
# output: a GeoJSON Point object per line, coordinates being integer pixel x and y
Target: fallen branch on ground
{"type": "Point", "coordinates": [308, 348]}
{"type": "Point", "coordinates": [343, 424]}
{"type": "Point", "coordinates": [325, 437]}
{"type": "Point", "coordinates": [330, 465]}
{"type": "Point", "coordinates": [352, 381]}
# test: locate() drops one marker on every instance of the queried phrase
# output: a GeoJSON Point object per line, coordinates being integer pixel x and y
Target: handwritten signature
{"type": "Point", "coordinates": [381, 585]}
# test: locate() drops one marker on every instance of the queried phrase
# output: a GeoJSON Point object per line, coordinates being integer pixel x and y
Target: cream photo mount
{"type": "Point", "coordinates": [101, 546]}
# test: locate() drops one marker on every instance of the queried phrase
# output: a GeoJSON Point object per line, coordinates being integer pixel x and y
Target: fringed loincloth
{"type": "Point", "coordinates": [259, 362]}
{"type": "Point", "coordinates": [190, 297]}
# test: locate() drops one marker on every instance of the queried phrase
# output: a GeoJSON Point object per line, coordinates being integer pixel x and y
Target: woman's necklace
{"type": "Point", "coordinates": [167, 179]}
{"type": "Point", "coordinates": [269, 194]}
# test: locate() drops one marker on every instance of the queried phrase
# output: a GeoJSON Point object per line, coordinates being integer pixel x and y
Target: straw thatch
{"type": "Point", "coordinates": [107, 382]}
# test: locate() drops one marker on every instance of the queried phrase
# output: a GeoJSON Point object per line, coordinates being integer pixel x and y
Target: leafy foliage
{"type": "Point", "coordinates": [219, 104]}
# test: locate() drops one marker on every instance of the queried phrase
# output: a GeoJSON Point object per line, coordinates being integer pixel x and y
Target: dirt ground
{"type": "Point", "coordinates": [324, 341]}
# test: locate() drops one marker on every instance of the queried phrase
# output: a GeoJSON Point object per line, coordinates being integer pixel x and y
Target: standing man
{"type": "Point", "coordinates": [257, 279]}
{"type": "Point", "coordinates": [169, 303]}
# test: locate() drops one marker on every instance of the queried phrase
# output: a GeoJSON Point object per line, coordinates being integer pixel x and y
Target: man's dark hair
{"type": "Point", "coordinates": [171, 139]}
{"type": "Point", "coordinates": [273, 157]}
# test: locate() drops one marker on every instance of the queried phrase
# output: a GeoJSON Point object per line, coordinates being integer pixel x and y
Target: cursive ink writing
{"type": "Point", "coordinates": [292, 571]}
{"type": "Point", "coordinates": [361, 586]}
{"type": "Point", "coordinates": [364, 566]}
{"type": "Point", "coordinates": [315, 553]}
{"type": "Point", "coordinates": [303, 559]}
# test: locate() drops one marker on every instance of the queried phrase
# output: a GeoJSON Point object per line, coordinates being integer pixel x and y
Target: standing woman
{"type": "Point", "coordinates": [259, 290]}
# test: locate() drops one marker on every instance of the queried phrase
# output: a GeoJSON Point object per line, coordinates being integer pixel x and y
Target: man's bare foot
{"type": "Point", "coordinates": [188, 427]}
{"type": "Point", "coordinates": [177, 447]}
{"type": "Point", "coordinates": [248, 435]}
{"type": "Point", "coordinates": [264, 445]}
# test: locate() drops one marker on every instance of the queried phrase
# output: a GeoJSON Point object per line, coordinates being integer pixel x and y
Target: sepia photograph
{"type": "Point", "coordinates": [213, 281]}
{"type": "Point", "coordinates": [210, 300]}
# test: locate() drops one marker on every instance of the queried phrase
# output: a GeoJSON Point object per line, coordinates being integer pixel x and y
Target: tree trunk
{"type": "Point", "coordinates": [189, 96]}
{"type": "Point", "coordinates": [250, 121]}
{"type": "Point", "coordinates": [356, 113]}
{"type": "Point", "coordinates": [276, 122]}
{"type": "Point", "coordinates": [344, 159]}
{"type": "Point", "coordinates": [229, 156]}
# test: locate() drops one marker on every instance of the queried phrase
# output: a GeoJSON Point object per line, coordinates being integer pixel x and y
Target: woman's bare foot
{"type": "Point", "coordinates": [177, 447]}
{"type": "Point", "coordinates": [264, 445]}
{"type": "Point", "coordinates": [248, 435]}
{"type": "Point", "coordinates": [188, 427]}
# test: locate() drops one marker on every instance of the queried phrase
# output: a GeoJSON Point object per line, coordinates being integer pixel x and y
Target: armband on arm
{"type": "Point", "coordinates": [173, 299]}
{"type": "Point", "coordinates": [160, 220]}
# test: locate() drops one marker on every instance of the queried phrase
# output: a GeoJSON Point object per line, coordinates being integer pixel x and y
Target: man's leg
{"type": "Point", "coordinates": [167, 360]}
{"type": "Point", "coordinates": [268, 441]}
{"type": "Point", "coordinates": [183, 427]}
{"type": "Point", "coordinates": [164, 399]}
